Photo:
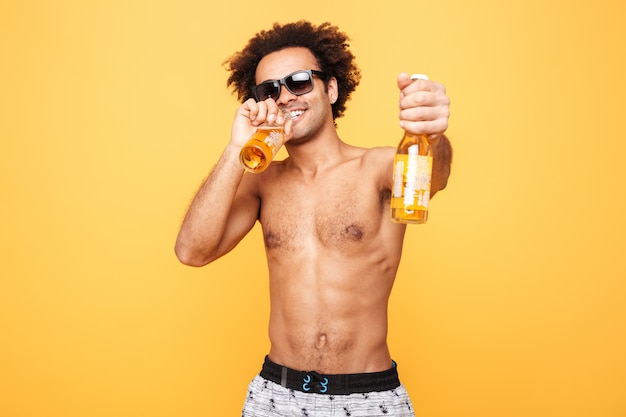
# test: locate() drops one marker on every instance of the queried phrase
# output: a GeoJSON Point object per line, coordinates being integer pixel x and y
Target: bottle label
{"type": "Point", "coordinates": [273, 138]}
{"type": "Point", "coordinates": [411, 182]}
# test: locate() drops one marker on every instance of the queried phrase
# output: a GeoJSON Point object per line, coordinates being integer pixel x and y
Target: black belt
{"type": "Point", "coordinates": [334, 384]}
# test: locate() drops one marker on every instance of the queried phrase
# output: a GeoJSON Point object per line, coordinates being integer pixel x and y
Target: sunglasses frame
{"type": "Point", "coordinates": [277, 83]}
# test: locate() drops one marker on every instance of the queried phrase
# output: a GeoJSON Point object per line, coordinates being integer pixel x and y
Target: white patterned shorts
{"type": "Point", "coordinates": [269, 399]}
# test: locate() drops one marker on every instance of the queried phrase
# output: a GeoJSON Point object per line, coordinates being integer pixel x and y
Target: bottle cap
{"type": "Point", "coordinates": [419, 77]}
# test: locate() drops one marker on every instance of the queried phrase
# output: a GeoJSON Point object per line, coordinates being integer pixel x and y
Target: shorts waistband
{"type": "Point", "coordinates": [332, 384]}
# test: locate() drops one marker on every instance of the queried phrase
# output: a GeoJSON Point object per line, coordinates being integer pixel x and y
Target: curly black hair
{"type": "Point", "coordinates": [326, 42]}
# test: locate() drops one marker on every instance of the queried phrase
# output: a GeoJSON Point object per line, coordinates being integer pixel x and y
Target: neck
{"type": "Point", "coordinates": [317, 153]}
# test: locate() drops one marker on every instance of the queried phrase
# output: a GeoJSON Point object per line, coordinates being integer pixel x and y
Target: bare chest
{"type": "Point", "coordinates": [336, 213]}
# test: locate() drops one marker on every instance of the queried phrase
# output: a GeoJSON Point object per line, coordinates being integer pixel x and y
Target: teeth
{"type": "Point", "coordinates": [296, 113]}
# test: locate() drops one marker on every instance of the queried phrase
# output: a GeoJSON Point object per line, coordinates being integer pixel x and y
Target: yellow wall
{"type": "Point", "coordinates": [509, 302]}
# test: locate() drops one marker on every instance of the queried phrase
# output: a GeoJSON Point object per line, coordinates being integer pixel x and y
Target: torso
{"type": "Point", "coordinates": [332, 254]}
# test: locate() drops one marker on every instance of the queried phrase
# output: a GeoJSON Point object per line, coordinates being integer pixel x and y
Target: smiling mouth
{"type": "Point", "coordinates": [295, 114]}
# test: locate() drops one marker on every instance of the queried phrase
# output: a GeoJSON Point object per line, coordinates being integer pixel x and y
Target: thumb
{"type": "Point", "coordinates": [403, 80]}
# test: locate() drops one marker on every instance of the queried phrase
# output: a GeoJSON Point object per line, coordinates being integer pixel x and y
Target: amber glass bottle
{"type": "Point", "coordinates": [412, 172]}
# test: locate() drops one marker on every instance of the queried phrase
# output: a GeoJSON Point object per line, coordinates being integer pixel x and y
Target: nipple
{"type": "Point", "coordinates": [355, 232]}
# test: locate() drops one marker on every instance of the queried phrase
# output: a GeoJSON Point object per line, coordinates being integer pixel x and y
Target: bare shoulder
{"type": "Point", "coordinates": [380, 154]}
{"type": "Point", "coordinates": [380, 161]}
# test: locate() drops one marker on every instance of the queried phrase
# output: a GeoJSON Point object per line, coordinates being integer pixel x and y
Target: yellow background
{"type": "Point", "coordinates": [509, 302]}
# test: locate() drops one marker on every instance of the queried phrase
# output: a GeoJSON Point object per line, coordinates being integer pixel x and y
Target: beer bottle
{"type": "Point", "coordinates": [256, 155]}
{"type": "Point", "coordinates": [412, 172]}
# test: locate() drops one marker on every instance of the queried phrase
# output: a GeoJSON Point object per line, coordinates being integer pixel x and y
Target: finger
{"type": "Point", "coordinates": [418, 99]}
{"type": "Point", "coordinates": [249, 109]}
{"type": "Point", "coordinates": [414, 82]}
{"type": "Point", "coordinates": [435, 117]}
{"type": "Point", "coordinates": [419, 113]}
{"type": "Point", "coordinates": [424, 98]}
{"type": "Point", "coordinates": [271, 110]}
{"type": "Point", "coordinates": [421, 85]}
{"type": "Point", "coordinates": [261, 112]}
{"type": "Point", "coordinates": [424, 119]}
{"type": "Point", "coordinates": [431, 128]}
{"type": "Point", "coordinates": [403, 80]}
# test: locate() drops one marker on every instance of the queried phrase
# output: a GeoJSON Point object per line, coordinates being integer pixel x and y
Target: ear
{"type": "Point", "coordinates": [333, 90]}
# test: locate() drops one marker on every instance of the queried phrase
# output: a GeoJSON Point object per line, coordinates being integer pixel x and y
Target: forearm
{"type": "Point", "coordinates": [206, 219]}
{"type": "Point", "coordinates": [442, 161]}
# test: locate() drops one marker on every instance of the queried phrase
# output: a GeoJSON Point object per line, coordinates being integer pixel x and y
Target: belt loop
{"type": "Point", "coordinates": [283, 378]}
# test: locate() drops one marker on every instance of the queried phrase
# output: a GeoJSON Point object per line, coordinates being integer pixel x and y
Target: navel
{"type": "Point", "coordinates": [321, 340]}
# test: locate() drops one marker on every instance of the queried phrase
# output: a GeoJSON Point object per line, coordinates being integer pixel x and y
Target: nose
{"type": "Point", "coordinates": [285, 96]}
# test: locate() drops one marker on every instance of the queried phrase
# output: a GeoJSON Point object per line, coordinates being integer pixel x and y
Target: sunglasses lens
{"type": "Point", "coordinates": [268, 89]}
{"type": "Point", "coordinates": [299, 83]}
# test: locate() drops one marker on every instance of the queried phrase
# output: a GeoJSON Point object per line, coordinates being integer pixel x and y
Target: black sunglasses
{"type": "Point", "coordinates": [297, 83]}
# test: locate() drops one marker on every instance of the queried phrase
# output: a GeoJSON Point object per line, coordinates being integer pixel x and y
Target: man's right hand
{"type": "Point", "coordinates": [252, 114]}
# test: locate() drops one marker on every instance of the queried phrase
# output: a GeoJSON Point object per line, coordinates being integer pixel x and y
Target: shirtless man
{"type": "Point", "coordinates": [332, 250]}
